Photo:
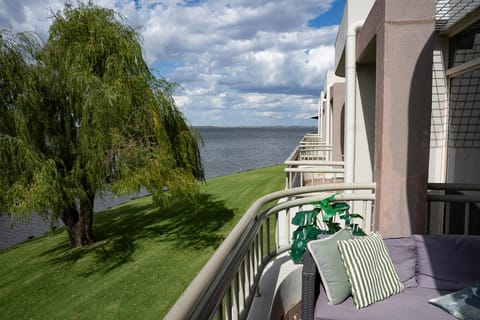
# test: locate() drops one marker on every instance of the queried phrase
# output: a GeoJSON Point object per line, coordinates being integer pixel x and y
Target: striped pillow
{"type": "Point", "coordinates": [370, 269]}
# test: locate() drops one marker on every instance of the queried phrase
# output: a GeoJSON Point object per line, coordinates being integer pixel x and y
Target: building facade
{"type": "Point", "coordinates": [411, 114]}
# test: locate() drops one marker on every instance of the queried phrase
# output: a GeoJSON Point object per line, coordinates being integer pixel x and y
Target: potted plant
{"type": "Point", "coordinates": [308, 228]}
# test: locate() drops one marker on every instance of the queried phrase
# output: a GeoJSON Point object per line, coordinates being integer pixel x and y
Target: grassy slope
{"type": "Point", "coordinates": [143, 260]}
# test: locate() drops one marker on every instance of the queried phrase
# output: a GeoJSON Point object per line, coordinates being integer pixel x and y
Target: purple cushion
{"type": "Point", "coordinates": [410, 304]}
{"type": "Point", "coordinates": [447, 262]}
{"type": "Point", "coordinates": [404, 257]}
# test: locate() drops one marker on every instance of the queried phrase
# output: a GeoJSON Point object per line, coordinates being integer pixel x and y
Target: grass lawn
{"type": "Point", "coordinates": [143, 259]}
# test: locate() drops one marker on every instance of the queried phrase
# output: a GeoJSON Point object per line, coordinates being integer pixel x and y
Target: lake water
{"type": "Point", "coordinates": [225, 151]}
{"type": "Point", "coordinates": [231, 150]}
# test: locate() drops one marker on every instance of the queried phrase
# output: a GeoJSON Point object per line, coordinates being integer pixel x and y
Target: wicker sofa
{"type": "Point", "coordinates": [428, 267]}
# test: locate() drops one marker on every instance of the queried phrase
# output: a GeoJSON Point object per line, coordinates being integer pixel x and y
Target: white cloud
{"type": "Point", "coordinates": [242, 62]}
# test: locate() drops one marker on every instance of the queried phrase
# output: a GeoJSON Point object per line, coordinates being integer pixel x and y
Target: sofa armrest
{"type": "Point", "coordinates": [310, 286]}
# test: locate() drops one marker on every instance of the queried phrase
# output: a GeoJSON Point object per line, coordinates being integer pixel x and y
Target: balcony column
{"type": "Point", "coordinates": [320, 115]}
{"type": "Point", "coordinates": [328, 120]}
{"type": "Point", "coordinates": [404, 50]}
{"type": "Point", "coordinates": [324, 120]}
{"type": "Point", "coordinates": [338, 104]}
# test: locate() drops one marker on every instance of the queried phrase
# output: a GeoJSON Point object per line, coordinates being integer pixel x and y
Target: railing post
{"type": "Point", "coordinates": [441, 212]}
{"type": "Point", "coordinates": [466, 223]}
{"type": "Point", "coordinates": [236, 292]}
{"type": "Point", "coordinates": [268, 238]}
{"type": "Point", "coordinates": [244, 280]}
{"type": "Point", "coordinates": [261, 244]}
{"type": "Point", "coordinates": [229, 303]}
{"type": "Point", "coordinates": [447, 218]}
{"type": "Point", "coordinates": [219, 312]}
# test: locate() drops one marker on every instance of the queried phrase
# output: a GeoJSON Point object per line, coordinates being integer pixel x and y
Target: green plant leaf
{"type": "Point", "coordinates": [311, 232]}
{"type": "Point", "coordinates": [299, 218]}
{"type": "Point", "coordinates": [307, 223]}
{"type": "Point", "coordinates": [306, 233]}
{"type": "Point", "coordinates": [357, 231]}
{"type": "Point", "coordinates": [328, 213]}
{"type": "Point", "coordinates": [322, 204]}
{"type": "Point", "coordinates": [297, 251]}
{"type": "Point", "coordinates": [298, 234]}
{"type": "Point", "coordinates": [356, 215]}
{"type": "Point", "coordinates": [304, 218]}
{"type": "Point", "coordinates": [346, 217]}
{"type": "Point", "coordinates": [340, 206]}
{"type": "Point", "coordinates": [327, 207]}
{"type": "Point", "coordinates": [333, 226]}
{"type": "Point", "coordinates": [332, 197]}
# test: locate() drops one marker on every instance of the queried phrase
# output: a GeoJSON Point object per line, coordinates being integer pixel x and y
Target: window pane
{"type": "Point", "coordinates": [465, 45]}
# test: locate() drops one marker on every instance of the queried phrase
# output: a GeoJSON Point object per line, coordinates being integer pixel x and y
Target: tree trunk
{"type": "Point", "coordinates": [79, 223]}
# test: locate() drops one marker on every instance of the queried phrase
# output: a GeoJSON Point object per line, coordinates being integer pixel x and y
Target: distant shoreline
{"type": "Point", "coordinates": [249, 127]}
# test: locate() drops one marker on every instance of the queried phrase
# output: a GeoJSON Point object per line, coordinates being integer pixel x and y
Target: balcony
{"type": "Point", "coordinates": [232, 280]}
{"type": "Point", "coordinates": [250, 275]}
{"type": "Point", "coordinates": [309, 164]}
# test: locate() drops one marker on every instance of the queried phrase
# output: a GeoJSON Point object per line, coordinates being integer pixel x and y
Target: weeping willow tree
{"type": "Point", "coordinates": [92, 117]}
{"type": "Point", "coordinates": [17, 53]}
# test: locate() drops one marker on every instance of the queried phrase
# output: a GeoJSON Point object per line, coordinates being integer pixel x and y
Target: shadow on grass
{"type": "Point", "coordinates": [183, 224]}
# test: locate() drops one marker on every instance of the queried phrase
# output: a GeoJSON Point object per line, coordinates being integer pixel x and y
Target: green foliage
{"type": "Point", "coordinates": [144, 257]}
{"type": "Point", "coordinates": [86, 115]}
{"type": "Point", "coordinates": [308, 228]}
{"type": "Point", "coordinates": [16, 52]}
{"type": "Point", "coordinates": [16, 156]}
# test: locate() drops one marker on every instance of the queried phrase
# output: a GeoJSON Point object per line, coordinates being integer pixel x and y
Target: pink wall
{"type": "Point", "coordinates": [402, 34]}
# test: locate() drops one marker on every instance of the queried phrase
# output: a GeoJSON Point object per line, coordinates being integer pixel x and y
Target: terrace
{"type": "Point", "coordinates": [405, 167]}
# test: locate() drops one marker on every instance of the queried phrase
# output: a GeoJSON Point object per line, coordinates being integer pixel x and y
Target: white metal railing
{"type": "Point", "coordinates": [312, 147]}
{"type": "Point", "coordinates": [309, 164]}
{"type": "Point", "coordinates": [453, 208]}
{"type": "Point", "coordinates": [311, 172]}
{"type": "Point", "coordinates": [314, 152]}
{"type": "Point", "coordinates": [312, 139]}
{"type": "Point", "coordinates": [227, 284]}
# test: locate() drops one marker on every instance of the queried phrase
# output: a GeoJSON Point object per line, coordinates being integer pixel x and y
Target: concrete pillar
{"type": "Point", "coordinates": [404, 50]}
{"type": "Point", "coordinates": [319, 120]}
{"type": "Point", "coordinates": [328, 120]}
{"type": "Point", "coordinates": [365, 123]}
{"type": "Point", "coordinates": [337, 93]}
{"type": "Point", "coordinates": [324, 120]}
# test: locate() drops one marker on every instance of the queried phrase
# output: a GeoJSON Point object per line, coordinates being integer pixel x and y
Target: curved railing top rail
{"type": "Point", "coordinates": [314, 163]}
{"type": "Point", "coordinates": [454, 186]}
{"type": "Point", "coordinates": [294, 153]}
{"type": "Point", "coordinates": [192, 296]}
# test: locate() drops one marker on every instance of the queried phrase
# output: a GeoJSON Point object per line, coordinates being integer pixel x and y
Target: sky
{"type": "Point", "coordinates": [239, 62]}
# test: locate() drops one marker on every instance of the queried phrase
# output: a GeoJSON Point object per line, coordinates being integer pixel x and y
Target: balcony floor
{"type": "Point", "coordinates": [280, 289]}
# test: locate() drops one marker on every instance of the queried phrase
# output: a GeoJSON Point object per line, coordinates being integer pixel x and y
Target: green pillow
{"type": "Point", "coordinates": [329, 264]}
{"type": "Point", "coordinates": [370, 270]}
{"type": "Point", "coordinates": [463, 304]}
